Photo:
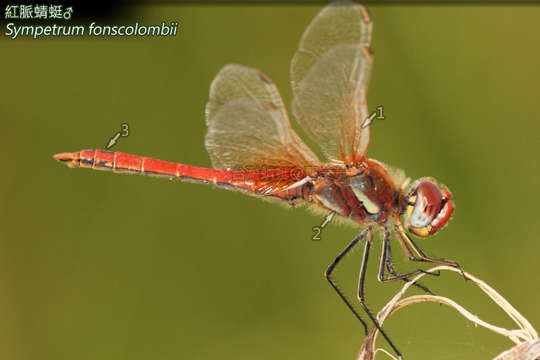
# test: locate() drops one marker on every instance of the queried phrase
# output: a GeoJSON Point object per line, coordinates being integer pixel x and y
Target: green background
{"type": "Point", "coordinates": [95, 265]}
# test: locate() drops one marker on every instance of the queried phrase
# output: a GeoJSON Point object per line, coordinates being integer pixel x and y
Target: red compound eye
{"type": "Point", "coordinates": [428, 207]}
{"type": "Point", "coordinates": [443, 217]}
{"type": "Point", "coordinates": [428, 204]}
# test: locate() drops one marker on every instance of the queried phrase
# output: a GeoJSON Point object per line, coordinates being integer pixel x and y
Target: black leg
{"type": "Point", "coordinates": [361, 295]}
{"type": "Point", "coordinates": [405, 240]}
{"type": "Point", "coordinates": [386, 261]}
{"type": "Point", "coordinates": [330, 270]}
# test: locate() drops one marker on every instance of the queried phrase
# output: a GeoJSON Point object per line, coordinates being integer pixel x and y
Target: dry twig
{"type": "Point", "coordinates": [525, 336]}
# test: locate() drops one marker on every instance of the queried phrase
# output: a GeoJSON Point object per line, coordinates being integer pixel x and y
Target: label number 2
{"type": "Point", "coordinates": [317, 230]}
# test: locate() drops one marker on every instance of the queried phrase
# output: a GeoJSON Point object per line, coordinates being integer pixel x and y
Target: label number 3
{"type": "Point", "coordinates": [125, 130]}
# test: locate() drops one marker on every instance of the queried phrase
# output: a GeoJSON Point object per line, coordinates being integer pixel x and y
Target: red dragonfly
{"type": "Point", "coordinates": [254, 149]}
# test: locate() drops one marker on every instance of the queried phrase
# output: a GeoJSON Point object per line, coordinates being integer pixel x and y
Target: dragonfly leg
{"type": "Point", "coordinates": [330, 270]}
{"type": "Point", "coordinates": [386, 261]}
{"type": "Point", "coordinates": [406, 241]}
{"type": "Point", "coordinates": [361, 295]}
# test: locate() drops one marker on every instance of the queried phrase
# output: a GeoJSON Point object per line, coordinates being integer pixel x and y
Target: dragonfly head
{"type": "Point", "coordinates": [427, 207]}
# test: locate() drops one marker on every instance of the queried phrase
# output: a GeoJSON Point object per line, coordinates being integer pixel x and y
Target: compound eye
{"type": "Point", "coordinates": [427, 205]}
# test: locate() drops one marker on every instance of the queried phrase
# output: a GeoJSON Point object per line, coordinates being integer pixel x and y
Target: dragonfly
{"type": "Point", "coordinates": [254, 148]}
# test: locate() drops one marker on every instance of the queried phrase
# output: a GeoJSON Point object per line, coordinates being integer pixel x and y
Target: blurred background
{"type": "Point", "coordinates": [95, 265]}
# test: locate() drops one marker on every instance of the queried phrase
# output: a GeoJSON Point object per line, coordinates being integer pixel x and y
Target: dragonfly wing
{"type": "Point", "coordinates": [329, 74]}
{"type": "Point", "coordinates": [248, 127]}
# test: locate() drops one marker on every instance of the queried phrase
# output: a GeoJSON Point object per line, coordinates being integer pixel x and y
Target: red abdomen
{"type": "Point", "coordinates": [267, 182]}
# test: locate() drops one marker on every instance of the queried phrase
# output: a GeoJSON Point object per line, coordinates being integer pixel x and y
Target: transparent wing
{"type": "Point", "coordinates": [248, 127]}
{"type": "Point", "coordinates": [329, 74]}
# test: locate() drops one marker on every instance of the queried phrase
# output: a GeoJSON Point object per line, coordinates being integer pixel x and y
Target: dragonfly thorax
{"type": "Point", "coordinates": [366, 197]}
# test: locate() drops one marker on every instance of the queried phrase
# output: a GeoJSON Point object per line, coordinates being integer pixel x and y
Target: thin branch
{"type": "Point", "coordinates": [525, 336]}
